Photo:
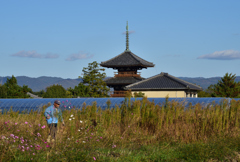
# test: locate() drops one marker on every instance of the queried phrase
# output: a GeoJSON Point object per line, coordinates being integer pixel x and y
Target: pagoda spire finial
{"type": "Point", "coordinates": [127, 41]}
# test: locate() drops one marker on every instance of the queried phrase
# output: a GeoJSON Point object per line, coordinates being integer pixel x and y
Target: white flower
{"type": "Point", "coordinates": [69, 139]}
{"type": "Point", "coordinates": [83, 142]}
{"type": "Point", "coordinates": [71, 116]}
{"type": "Point", "coordinates": [81, 121]}
{"type": "Point", "coordinates": [78, 130]}
{"type": "Point", "coordinates": [70, 119]}
{"type": "Point", "coordinates": [81, 128]}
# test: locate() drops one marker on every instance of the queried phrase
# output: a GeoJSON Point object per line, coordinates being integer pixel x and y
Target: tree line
{"type": "Point", "coordinates": [93, 85]}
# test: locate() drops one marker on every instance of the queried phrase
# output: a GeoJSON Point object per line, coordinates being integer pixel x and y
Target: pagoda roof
{"type": "Point", "coordinates": [127, 59]}
{"type": "Point", "coordinates": [122, 80]}
{"type": "Point", "coordinates": [163, 81]}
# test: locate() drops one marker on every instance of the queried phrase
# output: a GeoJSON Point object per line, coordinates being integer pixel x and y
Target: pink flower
{"type": "Point", "coordinates": [101, 137]}
{"type": "Point", "coordinates": [94, 158]}
{"type": "Point", "coordinates": [43, 127]}
{"type": "Point", "coordinates": [18, 130]}
{"type": "Point", "coordinates": [26, 122]}
{"type": "Point", "coordinates": [62, 101]}
{"type": "Point", "coordinates": [15, 123]}
{"type": "Point", "coordinates": [66, 100]}
{"type": "Point", "coordinates": [33, 153]}
{"type": "Point", "coordinates": [39, 125]}
{"type": "Point", "coordinates": [64, 105]}
{"type": "Point", "coordinates": [97, 139]}
{"type": "Point", "coordinates": [47, 146]}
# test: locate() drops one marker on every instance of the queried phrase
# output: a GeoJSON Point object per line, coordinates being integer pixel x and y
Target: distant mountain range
{"type": "Point", "coordinates": [40, 83]}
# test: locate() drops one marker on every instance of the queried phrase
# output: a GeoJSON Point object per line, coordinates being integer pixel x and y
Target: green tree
{"type": "Point", "coordinates": [93, 77]}
{"type": "Point", "coordinates": [55, 91]}
{"type": "Point", "coordinates": [12, 90]}
{"type": "Point", "coordinates": [227, 87]}
{"type": "Point", "coordinates": [207, 93]}
{"type": "Point", "coordinates": [80, 91]}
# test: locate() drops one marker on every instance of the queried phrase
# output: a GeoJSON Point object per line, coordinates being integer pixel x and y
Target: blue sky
{"type": "Point", "coordinates": [185, 38]}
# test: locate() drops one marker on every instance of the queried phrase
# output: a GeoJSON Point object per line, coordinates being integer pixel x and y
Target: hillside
{"type": "Point", "coordinates": [40, 83]}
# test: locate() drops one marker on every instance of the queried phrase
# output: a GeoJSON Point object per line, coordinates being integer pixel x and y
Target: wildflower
{"type": "Point", "coordinates": [62, 101]}
{"type": "Point", "coordinates": [30, 126]}
{"type": "Point", "coordinates": [69, 107]}
{"type": "Point", "coordinates": [23, 150]}
{"type": "Point", "coordinates": [33, 153]}
{"type": "Point", "coordinates": [73, 118]}
{"type": "Point", "coordinates": [64, 105]}
{"type": "Point", "coordinates": [69, 139]}
{"type": "Point", "coordinates": [39, 125]}
{"type": "Point", "coordinates": [26, 122]}
{"type": "Point", "coordinates": [94, 158]}
{"type": "Point", "coordinates": [70, 119]}
{"type": "Point", "coordinates": [27, 148]}
{"type": "Point", "coordinates": [132, 113]}
{"type": "Point", "coordinates": [18, 130]}
{"type": "Point", "coordinates": [16, 123]}
{"type": "Point", "coordinates": [39, 135]}
{"type": "Point", "coordinates": [81, 121]}
{"type": "Point", "coordinates": [47, 146]}
{"type": "Point", "coordinates": [14, 141]}
{"type": "Point", "coordinates": [101, 137]}
{"type": "Point", "coordinates": [43, 127]}
{"type": "Point", "coordinates": [35, 138]}
{"type": "Point", "coordinates": [77, 141]}
{"type": "Point", "coordinates": [71, 115]}
{"type": "Point", "coordinates": [31, 158]}
{"type": "Point", "coordinates": [83, 142]}
{"type": "Point", "coordinates": [128, 126]}
{"type": "Point", "coordinates": [31, 146]}
{"type": "Point", "coordinates": [12, 135]}
{"type": "Point", "coordinates": [78, 130]}
{"type": "Point", "coordinates": [97, 139]}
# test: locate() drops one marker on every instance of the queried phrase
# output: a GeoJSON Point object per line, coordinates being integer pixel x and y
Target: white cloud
{"type": "Point", "coordinates": [34, 54]}
{"type": "Point", "coordinates": [78, 56]}
{"type": "Point", "coordinates": [222, 55]}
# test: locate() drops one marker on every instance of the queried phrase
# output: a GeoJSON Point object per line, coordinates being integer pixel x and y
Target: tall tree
{"type": "Point", "coordinates": [93, 77]}
{"type": "Point", "coordinates": [12, 90]}
{"type": "Point", "coordinates": [227, 87]}
{"type": "Point", "coordinates": [80, 91]}
{"type": "Point", "coordinates": [55, 91]}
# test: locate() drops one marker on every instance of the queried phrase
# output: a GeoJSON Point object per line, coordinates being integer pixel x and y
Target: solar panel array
{"type": "Point", "coordinates": [69, 103]}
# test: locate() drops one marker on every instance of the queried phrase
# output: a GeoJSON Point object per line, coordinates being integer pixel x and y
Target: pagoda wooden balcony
{"type": "Point", "coordinates": [118, 94]}
{"type": "Point", "coordinates": [127, 74]}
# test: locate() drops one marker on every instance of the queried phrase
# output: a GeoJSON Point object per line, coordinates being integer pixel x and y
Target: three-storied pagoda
{"type": "Point", "coordinates": [127, 65]}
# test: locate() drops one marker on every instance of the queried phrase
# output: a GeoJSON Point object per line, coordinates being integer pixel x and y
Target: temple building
{"type": "Point", "coordinates": [127, 65]}
{"type": "Point", "coordinates": [127, 78]}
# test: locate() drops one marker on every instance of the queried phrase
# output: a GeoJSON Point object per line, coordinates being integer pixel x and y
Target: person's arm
{"type": "Point", "coordinates": [47, 113]}
{"type": "Point", "coordinates": [61, 117]}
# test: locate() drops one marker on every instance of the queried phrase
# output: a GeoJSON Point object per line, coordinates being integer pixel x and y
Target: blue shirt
{"type": "Point", "coordinates": [54, 113]}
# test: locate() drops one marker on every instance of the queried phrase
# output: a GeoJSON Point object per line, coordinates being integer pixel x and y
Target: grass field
{"type": "Point", "coordinates": [135, 131]}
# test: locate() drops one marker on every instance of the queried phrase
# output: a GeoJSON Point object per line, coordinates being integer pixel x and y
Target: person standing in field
{"type": "Point", "coordinates": [53, 113]}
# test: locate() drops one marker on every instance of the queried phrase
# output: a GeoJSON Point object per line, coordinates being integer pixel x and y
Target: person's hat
{"type": "Point", "coordinates": [57, 102]}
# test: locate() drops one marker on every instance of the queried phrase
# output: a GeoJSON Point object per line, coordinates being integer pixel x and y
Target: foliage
{"type": "Point", "coordinates": [227, 87]}
{"type": "Point", "coordinates": [93, 78]}
{"type": "Point", "coordinates": [207, 93]}
{"type": "Point", "coordinates": [138, 94]}
{"type": "Point", "coordinates": [40, 93]}
{"type": "Point", "coordinates": [149, 133]}
{"type": "Point", "coordinates": [12, 90]}
{"type": "Point", "coordinates": [55, 91]}
{"type": "Point", "coordinates": [80, 91]}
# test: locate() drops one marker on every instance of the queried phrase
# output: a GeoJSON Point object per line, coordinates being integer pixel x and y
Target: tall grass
{"type": "Point", "coordinates": [113, 134]}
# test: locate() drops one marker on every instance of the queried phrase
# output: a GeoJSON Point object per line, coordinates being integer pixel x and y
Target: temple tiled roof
{"type": "Point", "coordinates": [163, 81]}
{"type": "Point", "coordinates": [126, 59]}
{"type": "Point", "coordinates": [122, 80]}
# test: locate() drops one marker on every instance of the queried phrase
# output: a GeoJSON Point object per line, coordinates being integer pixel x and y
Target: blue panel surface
{"type": "Point", "coordinates": [69, 103]}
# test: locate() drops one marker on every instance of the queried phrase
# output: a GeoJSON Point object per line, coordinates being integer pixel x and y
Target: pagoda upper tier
{"type": "Point", "coordinates": [127, 59]}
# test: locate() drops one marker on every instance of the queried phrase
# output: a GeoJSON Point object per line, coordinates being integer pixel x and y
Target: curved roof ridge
{"type": "Point", "coordinates": [183, 81]}
{"type": "Point", "coordinates": [145, 80]}
{"type": "Point", "coordinates": [139, 59]}
{"type": "Point", "coordinates": [113, 57]}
